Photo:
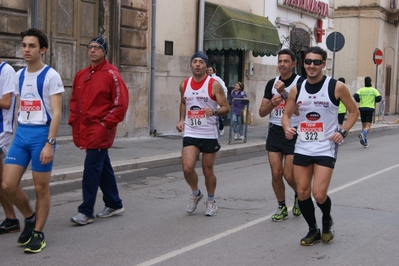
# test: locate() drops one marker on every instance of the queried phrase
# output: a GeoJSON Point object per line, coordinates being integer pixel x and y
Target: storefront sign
{"type": "Point", "coordinates": [314, 7]}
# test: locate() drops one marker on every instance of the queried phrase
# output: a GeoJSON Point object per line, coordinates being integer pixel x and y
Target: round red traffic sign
{"type": "Point", "coordinates": [377, 56]}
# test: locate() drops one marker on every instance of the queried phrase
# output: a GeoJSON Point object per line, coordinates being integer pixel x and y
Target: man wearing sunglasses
{"type": "Point", "coordinates": [280, 149]}
{"type": "Point", "coordinates": [317, 100]}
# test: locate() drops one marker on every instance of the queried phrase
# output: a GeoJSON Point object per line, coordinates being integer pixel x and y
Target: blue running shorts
{"type": "Point", "coordinates": [28, 143]}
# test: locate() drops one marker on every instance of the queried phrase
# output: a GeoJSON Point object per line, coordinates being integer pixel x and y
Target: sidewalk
{"type": "Point", "coordinates": [151, 152]}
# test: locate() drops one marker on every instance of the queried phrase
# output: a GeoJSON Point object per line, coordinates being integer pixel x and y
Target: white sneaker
{"type": "Point", "coordinates": [192, 203]}
{"type": "Point", "coordinates": [81, 219]}
{"type": "Point", "coordinates": [236, 136]}
{"type": "Point", "coordinates": [242, 137]}
{"type": "Point", "coordinates": [221, 132]}
{"type": "Point", "coordinates": [211, 208]}
{"type": "Point", "coordinates": [108, 212]}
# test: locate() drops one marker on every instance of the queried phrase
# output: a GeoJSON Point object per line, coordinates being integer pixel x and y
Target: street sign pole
{"type": "Point", "coordinates": [377, 58]}
{"type": "Point", "coordinates": [334, 49]}
{"type": "Point", "coordinates": [335, 42]}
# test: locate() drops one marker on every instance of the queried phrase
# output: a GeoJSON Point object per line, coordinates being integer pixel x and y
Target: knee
{"type": "Point", "coordinates": [188, 170]}
{"type": "Point", "coordinates": [319, 197]}
{"type": "Point", "coordinates": [208, 171]}
{"type": "Point", "coordinates": [7, 188]}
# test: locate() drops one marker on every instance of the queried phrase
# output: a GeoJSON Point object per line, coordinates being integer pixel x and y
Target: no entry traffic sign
{"type": "Point", "coordinates": [377, 56]}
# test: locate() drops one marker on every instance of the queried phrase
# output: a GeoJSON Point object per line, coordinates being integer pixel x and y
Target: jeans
{"type": "Point", "coordinates": [98, 172]}
{"type": "Point", "coordinates": [237, 125]}
{"type": "Point", "coordinates": [221, 126]}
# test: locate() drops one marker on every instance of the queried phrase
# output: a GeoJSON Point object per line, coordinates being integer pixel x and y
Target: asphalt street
{"type": "Point", "coordinates": [155, 230]}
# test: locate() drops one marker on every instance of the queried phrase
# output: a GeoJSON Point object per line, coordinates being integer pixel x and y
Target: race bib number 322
{"type": "Point", "coordinates": [196, 117]}
{"type": "Point", "coordinates": [311, 131]}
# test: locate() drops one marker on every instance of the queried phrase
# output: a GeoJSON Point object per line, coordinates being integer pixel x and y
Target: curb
{"type": "Point", "coordinates": [74, 174]}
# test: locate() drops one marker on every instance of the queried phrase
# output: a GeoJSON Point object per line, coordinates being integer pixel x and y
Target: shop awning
{"type": "Point", "coordinates": [229, 28]}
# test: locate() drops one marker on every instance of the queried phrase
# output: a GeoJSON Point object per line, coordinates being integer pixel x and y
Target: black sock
{"type": "Point", "coordinates": [326, 209]}
{"type": "Point", "coordinates": [281, 203]}
{"type": "Point", "coordinates": [307, 209]}
{"type": "Point", "coordinates": [31, 218]}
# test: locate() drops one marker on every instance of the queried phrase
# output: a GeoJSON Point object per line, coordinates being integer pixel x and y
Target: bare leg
{"type": "Point", "coordinates": [41, 181]}
{"type": "Point", "coordinates": [208, 161]}
{"type": "Point", "coordinates": [12, 175]}
{"type": "Point", "coordinates": [4, 200]}
{"type": "Point", "coordinates": [189, 158]}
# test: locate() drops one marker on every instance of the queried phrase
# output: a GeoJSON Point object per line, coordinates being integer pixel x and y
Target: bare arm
{"type": "Point", "coordinates": [342, 92]}
{"type": "Point", "coordinates": [47, 154]}
{"type": "Point", "coordinates": [290, 108]}
{"type": "Point", "coordinates": [221, 99]}
{"type": "Point", "coordinates": [182, 112]}
{"type": "Point", "coordinates": [267, 105]}
{"type": "Point", "coordinates": [5, 101]}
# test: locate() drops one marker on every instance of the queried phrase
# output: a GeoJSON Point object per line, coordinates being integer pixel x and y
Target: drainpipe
{"type": "Point", "coordinates": [201, 18]}
{"type": "Point", "coordinates": [35, 14]}
{"type": "Point", "coordinates": [153, 131]}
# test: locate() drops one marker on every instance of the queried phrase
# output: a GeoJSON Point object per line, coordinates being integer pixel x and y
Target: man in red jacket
{"type": "Point", "coordinates": [98, 103]}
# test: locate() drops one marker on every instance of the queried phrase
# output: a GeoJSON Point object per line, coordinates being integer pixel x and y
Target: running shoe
{"type": "Point", "coordinates": [281, 214]}
{"type": "Point", "coordinates": [26, 234]}
{"type": "Point", "coordinates": [366, 144]}
{"type": "Point", "coordinates": [221, 132]}
{"type": "Point", "coordinates": [36, 243]}
{"type": "Point", "coordinates": [328, 232]}
{"type": "Point", "coordinates": [211, 208]}
{"type": "Point", "coordinates": [361, 138]}
{"type": "Point", "coordinates": [192, 203]}
{"type": "Point", "coordinates": [81, 219]}
{"type": "Point", "coordinates": [9, 226]}
{"type": "Point", "coordinates": [312, 237]}
{"type": "Point", "coordinates": [108, 212]}
{"type": "Point", "coordinates": [295, 209]}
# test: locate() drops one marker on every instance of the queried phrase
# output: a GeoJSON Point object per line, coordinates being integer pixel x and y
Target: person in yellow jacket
{"type": "Point", "coordinates": [367, 97]}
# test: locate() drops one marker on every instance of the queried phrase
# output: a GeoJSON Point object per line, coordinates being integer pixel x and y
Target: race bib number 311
{"type": "Point", "coordinates": [311, 131]}
{"type": "Point", "coordinates": [197, 117]}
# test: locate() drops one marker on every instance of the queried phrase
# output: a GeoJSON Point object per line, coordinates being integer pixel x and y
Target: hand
{"type": "Point", "coordinates": [180, 126]}
{"type": "Point", "coordinates": [276, 100]}
{"type": "Point", "coordinates": [290, 133]}
{"type": "Point", "coordinates": [336, 137]}
{"type": "Point", "coordinates": [47, 154]}
{"type": "Point", "coordinates": [208, 111]}
{"type": "Point", "coordinates": [279, 86]}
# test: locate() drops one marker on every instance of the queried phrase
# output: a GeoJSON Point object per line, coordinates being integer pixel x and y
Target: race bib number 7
{"type": "Point", "coordinates": [311, 131]}
{"type": "Point", "coordinates": [197, 117]}
{"type": "Point", "coordinates": [31, 111]}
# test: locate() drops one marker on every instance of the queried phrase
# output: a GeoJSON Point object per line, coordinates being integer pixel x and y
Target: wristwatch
{"type": "Point", "coordinates": [215, 112]}
{"type": "Point", "coordinates": [343, 132]}
{"type": "Point", "coordinates": [284, 95]}
{"type": "Point", "coordinates": [51, 141]}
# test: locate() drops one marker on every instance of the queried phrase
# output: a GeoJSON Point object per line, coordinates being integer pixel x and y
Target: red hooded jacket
{"type": "Point", "coordinates": [98, 95]}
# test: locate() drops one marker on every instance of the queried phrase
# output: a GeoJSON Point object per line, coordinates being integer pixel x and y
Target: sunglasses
{"type": "Point", "coordinates": [316, 62]}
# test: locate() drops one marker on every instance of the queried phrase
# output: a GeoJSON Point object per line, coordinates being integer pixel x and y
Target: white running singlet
{"type": "Point", "coordinates": [318, 121]}
{"type": "Point", "coordinates": [197, 124]}
{"type": "Point", "coordinates": [278, 111]}
{"type": "Point", "coordinates": [7, 79]}
{"type": "Point", "coordinates": [35, 90]}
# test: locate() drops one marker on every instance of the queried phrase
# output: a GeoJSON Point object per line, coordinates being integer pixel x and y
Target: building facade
{"type": "Point", "coordinates": [373, 25]}
{"type": "Point", "coordinates": [151, 42]}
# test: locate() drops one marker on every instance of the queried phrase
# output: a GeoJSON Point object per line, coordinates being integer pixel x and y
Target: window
{"type": "Point", "coordinates": [168, 48]}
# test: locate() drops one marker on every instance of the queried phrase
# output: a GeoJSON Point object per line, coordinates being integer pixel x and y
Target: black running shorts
{"type": "Point", "coordinates": [204, 145]}
{"type": "Point", "coordinates": [277, 142]}
{"type": "Point", "coordinates": [304, 160]}
{"type": "Point", "coordinates": [366, 115]}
